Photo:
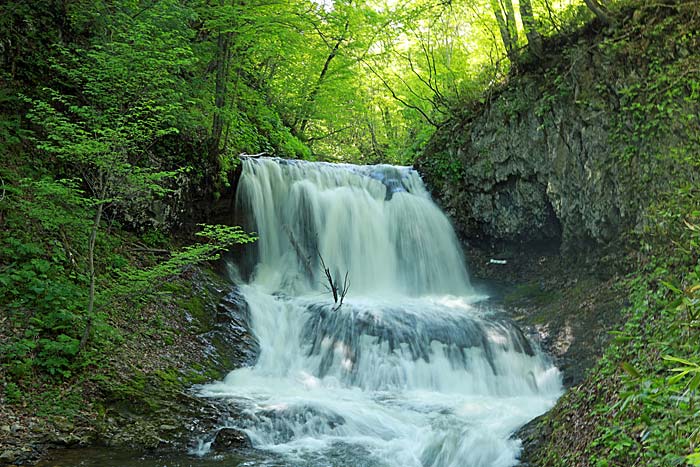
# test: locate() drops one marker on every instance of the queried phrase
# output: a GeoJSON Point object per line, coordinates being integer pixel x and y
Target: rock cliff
{"type": "Point", "coordinates": [562, 152]}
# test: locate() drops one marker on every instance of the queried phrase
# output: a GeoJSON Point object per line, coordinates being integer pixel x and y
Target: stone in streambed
{"type": "Point", "coordinates": [228, 439]}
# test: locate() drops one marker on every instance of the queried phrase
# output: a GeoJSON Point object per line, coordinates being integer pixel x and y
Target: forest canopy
{"type": "Point", "coordinates": [122, 123]}
{"type": "Point", "coordinates": [330, 79]}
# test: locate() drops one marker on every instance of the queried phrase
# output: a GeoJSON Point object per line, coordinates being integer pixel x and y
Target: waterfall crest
{"type": "Point", "coordinates": [413, 370]}
{"type": "Point", "coordinates": [377, 223]}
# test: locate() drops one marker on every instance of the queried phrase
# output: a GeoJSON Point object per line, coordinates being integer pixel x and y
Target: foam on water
{"type": "Point", "coordinates": [409, 371]}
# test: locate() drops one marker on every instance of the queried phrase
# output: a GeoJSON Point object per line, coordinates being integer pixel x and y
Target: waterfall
{"type": "Point", "coordinates": [412, 370]}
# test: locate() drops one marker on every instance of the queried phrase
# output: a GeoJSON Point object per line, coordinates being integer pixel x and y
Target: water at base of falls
{"type": "Point", "coordinates": [410, 370]}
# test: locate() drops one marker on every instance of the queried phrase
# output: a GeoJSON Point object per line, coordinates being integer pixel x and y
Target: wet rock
{"type": "Point", "coordinates": [284, 423]}
{"type": "Point", "coordinates": [400, 328]}
{"type": "Point", "coordinates": [231, 334]}
{"type": "Point", "coordinates": [228, 439]}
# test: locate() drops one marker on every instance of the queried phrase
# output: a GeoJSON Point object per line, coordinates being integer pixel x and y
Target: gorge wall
{"type": "Point", "coordinates": [570, 149]}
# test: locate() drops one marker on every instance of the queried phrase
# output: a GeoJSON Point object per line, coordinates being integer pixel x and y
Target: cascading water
{"type": "Point", "coordinates": [410, 370]}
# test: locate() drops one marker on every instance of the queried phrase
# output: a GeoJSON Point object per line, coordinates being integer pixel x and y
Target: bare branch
{"type": "Point", "coordinates": [344, 291]}
{"type": "Point", "coordinates": [329, 277]}
{"type": "Point", "coordinates": [304, 259]}
{"type": "Point", "coordinates": [332, 287]}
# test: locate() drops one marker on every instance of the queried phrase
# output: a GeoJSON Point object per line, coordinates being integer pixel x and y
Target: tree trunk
{"type": "Point", "coordinates": [505, 17]}
{"type": "Point", "coordinates": [223, 64]}
{"type": "Point", "coordinates": [91, 270]}
{"type": "Point", "coordinates": [599, 10]}
{"type": "Point", "coordinates": [534, 40]}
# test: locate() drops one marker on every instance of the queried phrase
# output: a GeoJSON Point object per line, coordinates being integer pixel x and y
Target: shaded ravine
{"type": "Point", "coordinates": [410, 370]}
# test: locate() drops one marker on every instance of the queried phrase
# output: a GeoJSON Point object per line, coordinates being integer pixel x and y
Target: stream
{"type": "Point", "coordinates": [410, 370]}
{"type": "Point", "coordinates": [413, 369]}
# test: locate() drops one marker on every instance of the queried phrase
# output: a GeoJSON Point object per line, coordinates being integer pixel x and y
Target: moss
{"type": "Point", "coordinates": [169, 377]}
{"type": "Point", "coordinates": [176, 287]}
{"type": "Point", "coordinates": [630, 410]}
{"type": "Point", "coordinates": [532, 294]}
{"type": "Point", "coordinates": [202, 376]}
{"type": "Point", "coordinates": [195, 307]}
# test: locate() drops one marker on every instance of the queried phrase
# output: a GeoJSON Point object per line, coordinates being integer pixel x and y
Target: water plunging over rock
{"type": "Point", "coordinates": [409, 371]}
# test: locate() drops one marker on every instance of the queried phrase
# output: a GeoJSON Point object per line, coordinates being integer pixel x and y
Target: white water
{"type": "Point", "coordinates": [410, 371]}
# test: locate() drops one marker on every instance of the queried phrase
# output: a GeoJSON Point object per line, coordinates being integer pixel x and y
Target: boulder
{"type": "Point", "coordinates": [229, 439]}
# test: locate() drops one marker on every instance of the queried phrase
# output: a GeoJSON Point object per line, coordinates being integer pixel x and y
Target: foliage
{"type": "Point", "coordinates": [105, 103]}
{"type": "Point", "coordinates": [662, 99]}
{"type": "Point", "coordinates": [639, 405]}
{"type": "Point", "coordinates": [445, 167]}
{"type": "Point", "coordinates": [341, 80]}
{"type": "Point", "coordinates": [136, 281]}
{"type": "Point", "coordinates": [43, 280]}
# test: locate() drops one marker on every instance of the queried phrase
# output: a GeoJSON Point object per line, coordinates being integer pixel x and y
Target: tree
{"type": "Point", "coordinates": [600, 9]}
{"type": "Point", "coordinates": [329, 99]}
{"type": "Point", "coordinates": [310, 99]}
{"type": "Point", "coordinates": [222, 65]}
{"type": "Point", "coordinates": [244, 46]}
{"type": "Point", "coordinates": [534, 40]}
{"type": "Point", "coordinates": [505, 17]}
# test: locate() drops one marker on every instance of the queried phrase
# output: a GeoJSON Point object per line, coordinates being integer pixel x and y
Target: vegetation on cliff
{"type": "Point", "coordinates": [118, 115]}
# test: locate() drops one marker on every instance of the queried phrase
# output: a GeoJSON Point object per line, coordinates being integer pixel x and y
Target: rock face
{"type": "Point", "coordinates": [560, 153]}
{"type": "Point", "coordinates": [231, 334]}
{"type": "Point", "coordinates": [157, 407]}
{"type": "Point", "coordinates": [201, 195]}
{"type": "Point", "coordinates": [571, 152]}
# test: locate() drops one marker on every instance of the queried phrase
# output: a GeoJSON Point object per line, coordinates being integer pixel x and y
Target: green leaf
{"type": "Point", "coordinates": [672, 287]}
{"type": "Point", "coordinates": [694, 459]}
{"type": "Point", "coordinates": [670, 358]}
{"type": "Point", "coordinates": [695, 382]}
{"type": "Point", "coordinates": [631, 370]}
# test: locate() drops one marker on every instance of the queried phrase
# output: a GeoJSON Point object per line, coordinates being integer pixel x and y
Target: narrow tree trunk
{"type": "Point", "coordinates": [505, 17]}
{"type": "Point", "coordinates": [599, 10]}
{"type": "Point", "coordinates": [509, 10]}
{"type": "Point", "coordinates": [311, 98]}
{"type": "Point", "coordinates": [551, 16]}
{"type": "Point", "coordinates": [222, 71]}
{"type": "Point", "coordinates": [91, 271]}
{"type": "Point", "coordinates": [534, 40]}
{"type": "Point", "coordinates": [373, 139]}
